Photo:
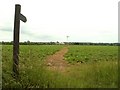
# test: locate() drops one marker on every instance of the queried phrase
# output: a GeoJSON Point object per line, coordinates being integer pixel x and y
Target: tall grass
{"type": "Point", "coordinates": [90, 75]}
{"type": "Point", "coordinates": [32, 71]}
{"type": "Point", "coordinates": [96, 75]}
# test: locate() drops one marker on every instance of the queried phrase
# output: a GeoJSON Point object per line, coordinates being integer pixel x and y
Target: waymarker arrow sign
{"type": "Point", "coordinates": [23, 18]}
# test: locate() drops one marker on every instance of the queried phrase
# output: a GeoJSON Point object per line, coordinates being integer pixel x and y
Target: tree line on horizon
{"type": "Point", "coordinates": [59, 43]}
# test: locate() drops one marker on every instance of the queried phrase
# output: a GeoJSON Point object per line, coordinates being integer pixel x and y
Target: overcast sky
{"type": "Point", "coordinates": [53, 20]}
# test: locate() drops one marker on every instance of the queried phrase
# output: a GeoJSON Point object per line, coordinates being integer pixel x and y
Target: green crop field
{"type": "Point", "coordinates": [92, 53]}
{"type": "Point", "coordinates": [90, 67]}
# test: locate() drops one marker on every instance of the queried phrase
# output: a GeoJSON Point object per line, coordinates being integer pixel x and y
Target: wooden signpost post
{"type": "Point", "coordinates": [17, 18]}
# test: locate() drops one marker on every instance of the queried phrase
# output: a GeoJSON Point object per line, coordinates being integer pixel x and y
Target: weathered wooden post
{"type": "Point", "coordinates": [17, 18]}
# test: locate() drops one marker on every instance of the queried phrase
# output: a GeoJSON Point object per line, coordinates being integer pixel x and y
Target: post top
{"type": "Point", "coordinates": [17, 5]}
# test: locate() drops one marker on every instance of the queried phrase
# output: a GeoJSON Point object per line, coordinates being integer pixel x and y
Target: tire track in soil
{"type": "Point", "coordinates": [56, 61]}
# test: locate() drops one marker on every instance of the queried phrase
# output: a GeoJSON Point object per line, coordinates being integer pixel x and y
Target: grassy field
{"type": "Point", "coordinates": [98, 70]}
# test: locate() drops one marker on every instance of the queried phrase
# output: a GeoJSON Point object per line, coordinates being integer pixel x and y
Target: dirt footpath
{"type": "Point", "coordinates": [56, 61]}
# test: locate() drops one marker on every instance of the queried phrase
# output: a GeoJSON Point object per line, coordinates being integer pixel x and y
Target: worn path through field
{"type": "Point", "coordinates": [56, 61]}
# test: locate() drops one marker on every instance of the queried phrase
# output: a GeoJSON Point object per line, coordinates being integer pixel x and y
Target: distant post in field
{"type": "Point", "coordinates": [17, 18]}
{"type": "Point", "coordinates": [67, 39]}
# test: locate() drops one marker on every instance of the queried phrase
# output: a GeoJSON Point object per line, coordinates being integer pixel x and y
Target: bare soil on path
{"type": "Point", "coordinates": [56, 61]}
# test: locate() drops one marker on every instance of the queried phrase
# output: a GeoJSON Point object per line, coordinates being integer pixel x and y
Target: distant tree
{"type": "Point", "coordinates": [28, 42]}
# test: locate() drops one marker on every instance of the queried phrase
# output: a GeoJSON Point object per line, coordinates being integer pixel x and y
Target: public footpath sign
{"type": "Point", "coordinates": [17, 18]}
